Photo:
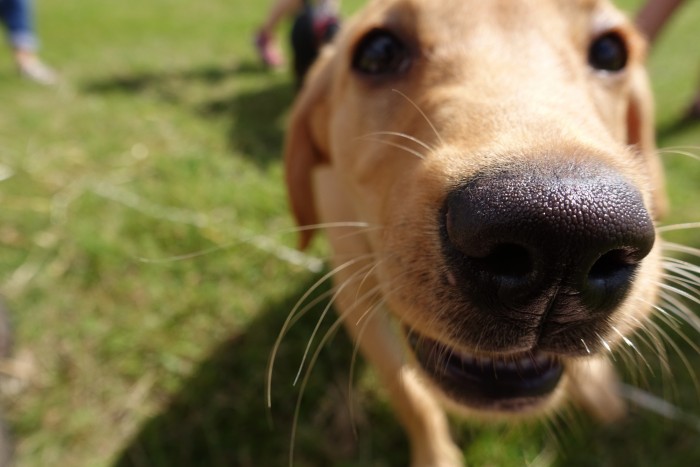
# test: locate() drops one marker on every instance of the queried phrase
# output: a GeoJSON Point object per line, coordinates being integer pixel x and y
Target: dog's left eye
{"type": "Point", "coordinates": [608, 52]}
{"type": "Point", "coordinates": [380, 53]}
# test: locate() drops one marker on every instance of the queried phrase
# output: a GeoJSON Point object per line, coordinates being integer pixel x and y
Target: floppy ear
{"type": "Point", "coordinates": [306, 144]}
{"type": "Point", "coordinates": [640, 133]}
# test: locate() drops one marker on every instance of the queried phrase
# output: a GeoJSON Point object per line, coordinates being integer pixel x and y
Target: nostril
{"type": "Point", "coordinates": [506, 260]}
{"type": "Point", "coordinates": [609, 278]}
{"type": "Point", "coordinates": [612, 264]}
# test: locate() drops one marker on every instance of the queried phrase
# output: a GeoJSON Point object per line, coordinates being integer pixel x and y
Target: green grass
{"type": "Point", "coordinates": [164, 140]}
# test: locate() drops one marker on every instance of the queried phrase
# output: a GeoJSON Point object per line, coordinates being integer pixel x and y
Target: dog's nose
{"type": "Point", "coordinates": [524, 241]}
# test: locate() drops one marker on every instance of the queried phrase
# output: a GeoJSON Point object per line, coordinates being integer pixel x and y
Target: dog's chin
{"type": "Point", "coordinates": [515, 383]}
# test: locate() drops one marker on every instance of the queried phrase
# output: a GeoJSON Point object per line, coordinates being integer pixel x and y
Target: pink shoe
{"type": "Point", "coordinates": [268, 51]}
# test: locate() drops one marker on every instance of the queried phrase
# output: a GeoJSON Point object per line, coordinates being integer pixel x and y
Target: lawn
{"type": "Point", "coordinates": [148, 265]}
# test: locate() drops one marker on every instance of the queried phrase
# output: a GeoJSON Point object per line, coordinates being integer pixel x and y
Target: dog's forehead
{"type": "Point", "coordinates": [489, 44]}
{"type": "Point", "coordinates": [441, 21]}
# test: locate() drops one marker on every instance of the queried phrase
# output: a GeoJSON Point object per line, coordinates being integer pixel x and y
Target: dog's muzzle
{"type": "Point", "coordinates": [538, 260]}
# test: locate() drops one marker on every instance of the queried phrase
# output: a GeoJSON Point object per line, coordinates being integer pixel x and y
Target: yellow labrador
{"type": "Point", "coordinates": [500, 155]}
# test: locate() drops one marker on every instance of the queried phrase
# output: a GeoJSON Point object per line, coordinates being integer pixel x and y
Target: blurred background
{"type": "Point", "coordinates": [147, 266]}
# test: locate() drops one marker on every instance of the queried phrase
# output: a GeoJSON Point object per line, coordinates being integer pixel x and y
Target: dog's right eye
{"type": "Point", "coordinates": [380, 53]}
{"type": "Point", "coordinates": [608, 52]}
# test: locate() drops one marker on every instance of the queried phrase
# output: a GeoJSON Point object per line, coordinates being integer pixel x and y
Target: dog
{"type": "Point", "coordinates": [486, 174]}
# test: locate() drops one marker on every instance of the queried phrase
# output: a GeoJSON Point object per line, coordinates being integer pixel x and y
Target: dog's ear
{"type": "Point", "coordinates": [306, 143]}
{"type": "Point", "coordinates": [640, 134]}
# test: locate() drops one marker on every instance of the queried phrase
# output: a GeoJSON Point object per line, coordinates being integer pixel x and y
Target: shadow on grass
{"type": "Point", "coordinates": [220, 417]}
{"type": "Point", "coordinates": [676, 126]}
{"type": "Point", "coordinates": [252, 103]}
{"type": "Point", "coordinates": [255, 118]}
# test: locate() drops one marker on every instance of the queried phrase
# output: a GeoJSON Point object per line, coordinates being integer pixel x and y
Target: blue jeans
{"type": "Point", "coordinates": [16, 16]}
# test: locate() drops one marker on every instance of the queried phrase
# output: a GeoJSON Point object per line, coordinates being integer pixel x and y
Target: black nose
{"type": "Point", "coordinates": [521, 240]}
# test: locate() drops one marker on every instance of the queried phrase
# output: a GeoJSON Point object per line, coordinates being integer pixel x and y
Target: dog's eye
{"type": "Point", "coordinates": [608, 52]}
{"type": "Point", "coordinates": [379, 53]}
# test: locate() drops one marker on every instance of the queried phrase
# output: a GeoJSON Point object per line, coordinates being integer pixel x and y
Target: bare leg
{"type": "Point", "coordinates": [264, 39]}
{"type": "Point", "coordinates": [280, 10]}
{"type": "Point", "coordinates": [653, 16]}
{"type": "Point", "coordinates": [651, 19]}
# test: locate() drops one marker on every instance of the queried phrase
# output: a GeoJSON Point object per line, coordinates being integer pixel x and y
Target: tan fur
{"type": "Point", "coordinates": [498, 83]}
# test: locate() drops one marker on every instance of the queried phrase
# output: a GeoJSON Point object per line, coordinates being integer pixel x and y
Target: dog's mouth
{"type": "Point", "coordinates": [508, 383]}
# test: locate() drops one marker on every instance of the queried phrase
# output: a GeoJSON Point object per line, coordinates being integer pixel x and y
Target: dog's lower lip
{"type": "Point", "coordinates": [507, 383]}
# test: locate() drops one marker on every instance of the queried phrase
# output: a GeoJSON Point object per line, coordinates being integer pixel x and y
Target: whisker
{"type": "Point", "coordinates": [606, 344]}
{"type": "Point", "coordinates": [264, 243]}
{"type": "Point", "coordinates": [353, 360]}
{"type": "Point", "coordinates": [371, 292]}
{"type": "Point", "coordinates": [674, 227]}
{"type": "Point", "coordinates": [650, 338]}
{"type": "Point", "coordinates": [361, 231]}
{"type": "Point", "coordinates": [420, 111]}
{"type": "Point", "coordinates": [688, 271]}
{"type": "Point", "coordinates": [670, 315]}
{"type": "Point", "coordinates": [682, 279]}
{"type": "Point", "coordinates": [396, 145]}
{"type": "Point", "coordinates": [309, 306]}
{"type": "Point", "coordinates": [631, 345]}
{"type": "Point", "coordinates": [679, 291]}
{"type": "Point", "coordinates": [679, 150]}
{"type": "Point", "coordinates": [302, 388]}
{"type": "Point", "coordinates": [681, 283]}
{"type": "Point", "coordinates": [659, 336]}
{"type": "Point", "coordinates": [290, 317]}
{"type": "Point", "coordinates": [685, 268]}
{"type": "Point", "coordinates": [653, 342]}
{"type": "Point", "coordinates": [585, 346]}
{"type": "Point", "coordinates": [682, 148]}
{"type": "Point", "coordinates": [312, 361]}
{"type": "Point", "coordinates": [659, 406]}
{"type": "Point", "coordinates": [555, 426]}
{"type": "Point", "coordinates": [368, 274]}
{"type": "Point", "coordinates": [192, 255]}
{"type": "Point", "coordinates": [660, 349]}
{"type": "Point", "coordinates": [671, 246]}
{"type": "Point", "coordinates": [320, 321]}
{"type": "Point", "coordinates": [327, 225]}
{"type": "Point", "coordinates": [686, 363]}
{"type": "Point", "coordinates": [680, 310]}
{"type": "Point", "coordinates": [401, 135]}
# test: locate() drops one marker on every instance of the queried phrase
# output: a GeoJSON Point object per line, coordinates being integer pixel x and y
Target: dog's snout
{"type": "Point", "coordinates": [563, 237]}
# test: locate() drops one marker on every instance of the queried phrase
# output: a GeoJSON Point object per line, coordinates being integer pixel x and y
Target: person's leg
{"type": "Point", "coordinates": [17, 18]}
{"type": "Point", "coordinates": [280, 9]}
{"type": "Point", "coordinates": [651, 19]}
{"type": "Point", "coordinates": [264, 38]}
{"type": "Point", "coordinates": [653, 16]}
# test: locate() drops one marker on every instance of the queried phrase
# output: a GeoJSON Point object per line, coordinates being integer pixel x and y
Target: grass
{"type": "Point", "coordinates": [162, 141]}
